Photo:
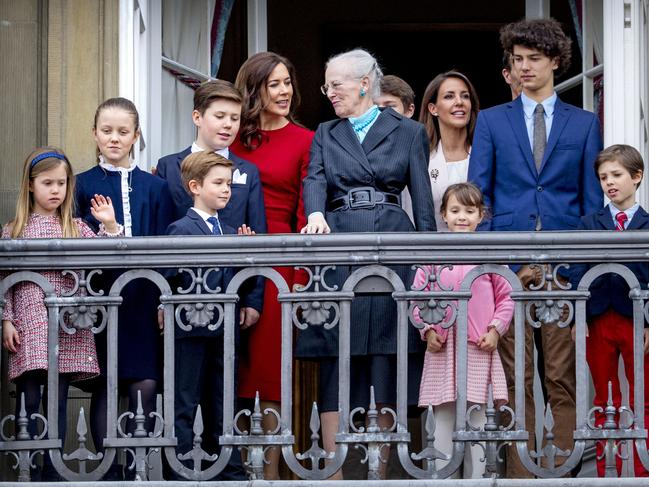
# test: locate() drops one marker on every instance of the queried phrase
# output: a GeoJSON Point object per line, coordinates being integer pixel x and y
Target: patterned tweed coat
{"type": "Point", "coordinates": [25, 308]}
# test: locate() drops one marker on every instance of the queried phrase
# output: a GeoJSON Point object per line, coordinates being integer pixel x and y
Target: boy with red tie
{"type": "Point", "coordinates": [609, 310]}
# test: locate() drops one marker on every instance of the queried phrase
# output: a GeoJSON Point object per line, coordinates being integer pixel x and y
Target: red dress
{"type": "Point", "coordinates": [282, 159]}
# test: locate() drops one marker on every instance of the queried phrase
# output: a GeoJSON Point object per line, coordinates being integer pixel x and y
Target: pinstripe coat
{"type": "Point", "coordinates": [393, 155]}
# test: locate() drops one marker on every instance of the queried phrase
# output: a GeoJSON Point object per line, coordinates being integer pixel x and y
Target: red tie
{"type": "Point", "coordinates": [621, 219]}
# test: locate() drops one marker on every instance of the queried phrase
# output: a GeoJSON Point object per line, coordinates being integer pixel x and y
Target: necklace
{"type": "Point", "coordinates": [359, 124]}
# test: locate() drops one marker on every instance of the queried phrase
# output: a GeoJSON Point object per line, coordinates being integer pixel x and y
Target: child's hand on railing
{"type": "Point", "coordinates": [161, 320]}
{"type": "Point", "coordinates": [245, 230]}
{"type": "Point", "coordinates": [573, 335]}
{"type": "Point", "coordinates": [248, 317]}
{"type": "Point", "coordinates": [433, 341]}
{"type": "Point", "coordinates": [489, 341]}
{"type": "Point", "coordinates": [10, 337]}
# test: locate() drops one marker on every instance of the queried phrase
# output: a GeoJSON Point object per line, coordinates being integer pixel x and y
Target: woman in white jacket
{"type": "Point", "coordinates": [449, 111]}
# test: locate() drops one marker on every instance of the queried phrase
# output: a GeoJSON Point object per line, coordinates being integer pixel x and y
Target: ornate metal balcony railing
{"type": "Point", "coordinates": [371, 257]}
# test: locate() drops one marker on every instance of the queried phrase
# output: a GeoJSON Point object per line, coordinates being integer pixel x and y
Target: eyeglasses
{"type": "Point", "coordinates": [335, 86]}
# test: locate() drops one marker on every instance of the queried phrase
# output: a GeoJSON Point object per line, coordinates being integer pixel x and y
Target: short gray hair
{"type": "Point", "coordinates": [361, 63]}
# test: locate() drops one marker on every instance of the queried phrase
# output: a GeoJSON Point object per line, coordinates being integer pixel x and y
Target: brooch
{"type": "Point", "coordinates": [434, 173]}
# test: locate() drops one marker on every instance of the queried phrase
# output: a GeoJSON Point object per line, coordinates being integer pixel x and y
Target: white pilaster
{"type": "Point", "coordinates": [622, 71]}
{"type": "Point", "coordinates": [257, 26]}
{"type": "Point", "coordinates": [537, 9]}
{"type": "Point", "coordinates": [126, 51]}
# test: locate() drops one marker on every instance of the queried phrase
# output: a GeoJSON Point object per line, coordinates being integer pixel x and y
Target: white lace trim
{"type": "Point", "coordinates": [125, 173]}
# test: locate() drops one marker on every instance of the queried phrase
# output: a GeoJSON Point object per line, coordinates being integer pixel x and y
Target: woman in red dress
{"type": "Point", "coordinates": [271, 139]}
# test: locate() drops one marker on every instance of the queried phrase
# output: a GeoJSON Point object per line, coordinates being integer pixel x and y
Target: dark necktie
{"type": "Point", "coordinates": [216, 226]}
{"type": "Point", "coordinates": [620, 219]}
{"type": "Point", "coordinates": [539, 136]}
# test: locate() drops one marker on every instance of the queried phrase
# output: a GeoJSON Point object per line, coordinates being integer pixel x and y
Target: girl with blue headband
{"type": "Point", "coordinates": [45, 210]}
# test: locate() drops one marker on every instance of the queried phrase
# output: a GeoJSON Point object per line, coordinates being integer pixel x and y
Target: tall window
{"type": "Point", "coordinates": [585, 24]}
{"type": "Point", "coordinates": [167, 48]}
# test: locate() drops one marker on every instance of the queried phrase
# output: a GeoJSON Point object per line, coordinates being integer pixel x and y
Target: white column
{"type": "Point", "coordinates": [622, 70]}
{"type": "Point", "coordinates": [126, 72]}
{"type": "Point", "coordinates": [154, 95]}
{"type": "Point", "coordinates": [257, 27]}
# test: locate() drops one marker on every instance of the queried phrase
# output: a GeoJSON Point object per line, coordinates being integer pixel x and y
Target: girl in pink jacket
{"type": "Point", "coordinates": [490, 310]}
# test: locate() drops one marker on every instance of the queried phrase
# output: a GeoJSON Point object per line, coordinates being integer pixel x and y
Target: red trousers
{"type": "Point", "coordinates": [611, 335]}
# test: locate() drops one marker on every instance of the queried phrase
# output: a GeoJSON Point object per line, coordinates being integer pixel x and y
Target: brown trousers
{"type": "Point", "coordinates": [559, 362]}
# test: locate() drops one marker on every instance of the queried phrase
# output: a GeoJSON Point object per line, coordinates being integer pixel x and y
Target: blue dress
{"type": "Point", "coordinates": [143, 205]}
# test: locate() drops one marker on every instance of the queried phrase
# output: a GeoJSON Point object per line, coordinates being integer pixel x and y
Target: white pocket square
{"type": "Point", "coordinates": [238, 178]}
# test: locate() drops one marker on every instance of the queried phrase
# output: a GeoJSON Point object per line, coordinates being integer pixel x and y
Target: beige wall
{"type": "Point", "coordinates": [59, 61]}
{"type": "Point", "coordinates": [83, 71]}
{"type": "Point", "coordinates": [22, 105]}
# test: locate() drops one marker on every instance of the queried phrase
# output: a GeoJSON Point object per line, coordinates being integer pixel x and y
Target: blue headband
{"type": "Point", "coordinates": [46, 155]}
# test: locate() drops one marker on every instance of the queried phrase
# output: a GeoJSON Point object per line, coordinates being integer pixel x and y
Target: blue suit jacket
{"type": "Point", "coordinates": [611, 290]}
{"type": "Point", "coordinates": [502, 166]}
{"type": "Point", "coordinates": [246, 204]}
{"type": "Point", "coordinates": [193, 224]}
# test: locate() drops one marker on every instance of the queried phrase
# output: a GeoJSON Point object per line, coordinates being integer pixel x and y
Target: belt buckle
{"type": "Point", "coordinates": [369, 203]}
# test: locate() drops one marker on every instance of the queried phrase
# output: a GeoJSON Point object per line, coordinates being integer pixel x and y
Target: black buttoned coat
{"type": "Point", "coordinates": [393, 155]}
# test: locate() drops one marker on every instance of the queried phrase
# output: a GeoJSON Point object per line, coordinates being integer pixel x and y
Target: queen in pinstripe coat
{"type": "Point", "coordinates": [359, 165]}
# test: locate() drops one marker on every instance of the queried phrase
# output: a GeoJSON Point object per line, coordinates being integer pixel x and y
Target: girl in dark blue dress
{"type": "Point", "coordinates": [143, 205]}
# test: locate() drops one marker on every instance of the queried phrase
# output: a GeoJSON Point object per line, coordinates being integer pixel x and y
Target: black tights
{"type": "Point", "coordinates": [98, 408]}
{"type": "Point", "coordinates": [30, 384]}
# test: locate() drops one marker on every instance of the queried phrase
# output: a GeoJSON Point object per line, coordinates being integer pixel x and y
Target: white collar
{"type": "Point", "coordinates": [225, 152]}
{"type": "Point", "coordinates": [109, 167]}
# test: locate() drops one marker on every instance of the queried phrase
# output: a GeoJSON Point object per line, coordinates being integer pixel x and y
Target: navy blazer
{"type": "Point", "coordinates": [245, 206]}
{"type": "Point", "coordinates": [502, 166]}
{"type": "Point", "coordinates": [193, 224]}
{"type": "Point", "coordinates": [611, 290]}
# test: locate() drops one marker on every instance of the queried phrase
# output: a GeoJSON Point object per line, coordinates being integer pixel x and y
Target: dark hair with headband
{"type": "Point", "coordinates": [47, 155]}
{"type": "Point", "coordinates": [39, 161]}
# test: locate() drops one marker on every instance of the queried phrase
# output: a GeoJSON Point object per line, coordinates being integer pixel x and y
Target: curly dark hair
{"type": "Point", "coordinates": [544, 35]}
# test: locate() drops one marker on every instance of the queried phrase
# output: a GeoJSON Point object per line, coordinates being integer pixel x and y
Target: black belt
{"type": "Point", "coordinates": [366, 197]}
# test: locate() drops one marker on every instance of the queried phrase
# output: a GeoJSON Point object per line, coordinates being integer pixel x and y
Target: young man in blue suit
{"type": "Point", "coordinates": [199, 351]}
{"type": "Point", "coordinates": [217, 114]}
{"type": "Point", "coordinates": [533, 160]}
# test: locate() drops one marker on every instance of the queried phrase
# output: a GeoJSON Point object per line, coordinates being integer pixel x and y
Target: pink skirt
{"type": "Point", "coordinates": [438, 378]}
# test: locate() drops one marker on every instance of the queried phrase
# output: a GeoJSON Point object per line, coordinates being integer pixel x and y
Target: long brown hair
{"type": "Point", "coordinates": [430, 96]}
{"type": "Point", "coordinates": [251, 82]}
{"type": "Point", "coordinates": [25, 203]}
